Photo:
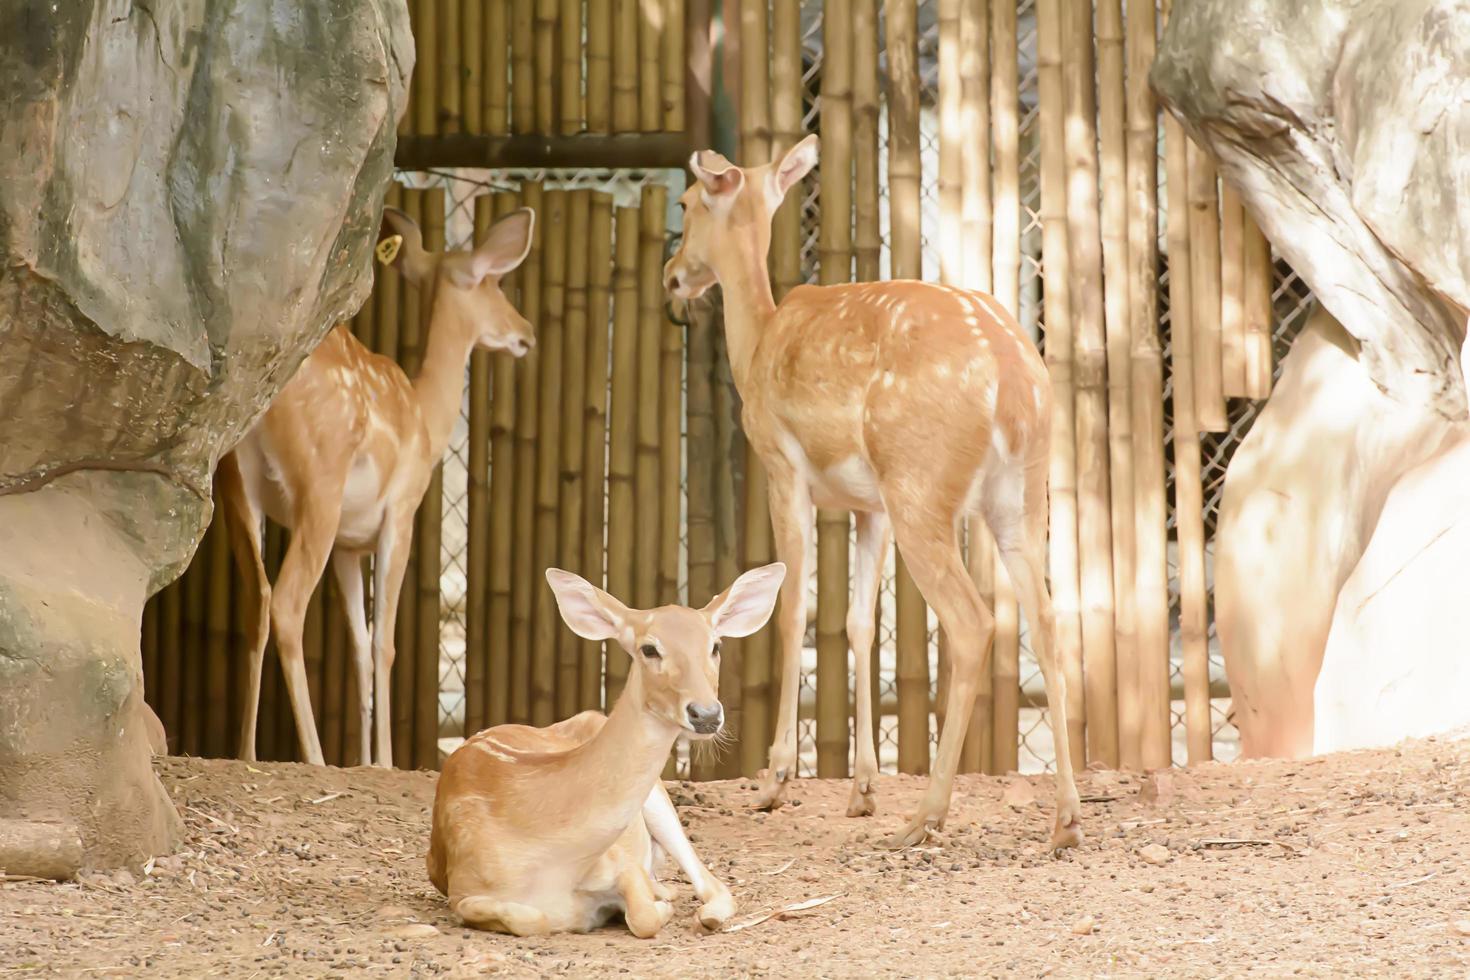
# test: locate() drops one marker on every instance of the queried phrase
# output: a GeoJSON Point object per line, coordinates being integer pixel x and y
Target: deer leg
{"type": "Point", "coordinates": [664, 827]}
{"type": "Point", "coordinates": [306, 558]}
{"type": "Point", "coordinates": [1020, 535]}
{"type": "Point", "coordinates": [871, 553]}
{"type": "Point", "coordinates": [389, 566]}
{"type": "Point", "coordinates": [347, 568]}
{"type": "Point", "coordinates": [243, 521]}
{"type": "Point", "coordinates": [644, 912]}
{"type": "Point", "coordinates": [791, 522]}
{"type": "Point", "coordinates": [932, 553]}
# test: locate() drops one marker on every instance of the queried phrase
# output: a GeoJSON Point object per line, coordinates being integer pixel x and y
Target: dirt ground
{"type": "Point", "coordinates": [1351, 865]}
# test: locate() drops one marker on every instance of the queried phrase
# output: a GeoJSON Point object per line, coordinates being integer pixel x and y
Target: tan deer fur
{"type": "Point", "coordinates": [342, 459]}
{"type": "Point", "coordinates": [910, 403]}
{"type": "Point", "coordinates": [557, 829]}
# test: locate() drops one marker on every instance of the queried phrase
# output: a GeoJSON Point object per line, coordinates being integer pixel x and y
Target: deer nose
{"type": "Point", "coordinates": [705, 718]}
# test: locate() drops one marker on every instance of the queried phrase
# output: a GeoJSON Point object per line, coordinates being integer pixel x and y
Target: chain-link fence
{"type": "Point", "coordinates": [1291, 302]}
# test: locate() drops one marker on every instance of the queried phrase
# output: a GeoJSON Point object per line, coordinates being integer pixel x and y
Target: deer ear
{"type": "Point", "coordinates": [506, 245]}
{"type": "Point", "coordinates": [587, 610]}
{"type": "Point", "coordinates": [412, 262]}
{"type": "Point", "coordinates": [796, 164]}
{"type": "Point", "coordinates": [719, 178]}
{"type": "Point", "coordinates": [746, 605]}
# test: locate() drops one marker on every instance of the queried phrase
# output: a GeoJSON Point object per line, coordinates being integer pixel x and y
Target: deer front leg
{"type": "Point", "coordinates": [663, 825]}
{"type": "Point", "coordinates": [388, 569]}
{"type": "Point", "coordinates": [644, 912]}
{"type": "Point", "coordinates": [243, 521]}
{"type": "Point", "coordinates": [791, 524]}
{"type": "Point", "coordinates": [872, 555]}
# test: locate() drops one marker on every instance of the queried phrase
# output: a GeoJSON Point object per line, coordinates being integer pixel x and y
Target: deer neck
{"type": "Point", "coordinates": [749, 304]}
{"type": "Point", "coordinates": [439, 383]}
{"type": "Point", "coordinates": [627, 753]}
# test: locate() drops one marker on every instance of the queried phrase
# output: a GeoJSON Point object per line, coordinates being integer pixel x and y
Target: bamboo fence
{"type": "Point", "coordinates": [614, 449]}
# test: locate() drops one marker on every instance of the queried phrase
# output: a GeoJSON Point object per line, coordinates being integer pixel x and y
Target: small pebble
{"type": "Point", "coordinates": [1084, 926]}
{"type": "Point", "coordinates": [1155, 854]}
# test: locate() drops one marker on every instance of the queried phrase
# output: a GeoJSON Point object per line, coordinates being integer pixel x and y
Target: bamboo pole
{"type": "Point", "coordinates": [953, 145]}
{"type": "Point", "coordinates": [700, 426]}
{"type": "Point", "coordinates": [1188, 492]}
{"type": "Point", "coordinates": [451, 68]}
{"type": "Point", "coordinates": [386, 292]}
{"type": "Point", "coordinates": [546, 75]}
{"type": "Point", "coordinates": [1232, 292]}
{"type": "Point", "coordinates": [527, 582]}
{"type": "Point", "coordinates": [523, 83]}
{"type": "Point", "coordinates": [867, 243]}
{"type": "Point", "coordinates": [335, 673]}
{"type": "Point", "coordinates": [409, 354]}
{"type": "Point", "coordinates": [427, 541]}
{"type": "Point", "coordinates": [494, 47]}
{"type": "Point", "coordinates": [217, 652]}
{"type": "Point", "coordinates": [599, 65]}
{"type": "Point", "coordinates": [756, 542]}
{"type": "Point", "coordinates": [834, 266]}
{"type": "Point", "coordinates": [651, 30]}
{"type": "Point", "coordinates": [906, 260]}
{"type": "Point", "coordinates": [473, 97]}
{"type": "Point", "coordinates": [594, 458]}
{"type": "Point", "coordinates": [727, 535]}
{"type": "Point", "coordinates": [1113, 171]}
{"type": "Point", "coordinates": [1204, 290]}
{"type": "Point", "coordinates": [670, 446]}
{"type": "Point", "coordinates": [426, 67]}
{"type": "Point", "coordinates": [1151, 603]}
{"type": "Point", "coordinates": [1094, 527]}
{"type": "Point", "coordinates": [570, 30]}
{"type": "Point", "coordinates": [548, 627]}
{"type": "Point", "coordinates": [196, 651]}
{"type": "Point", "coordinates": [1057, 312]}
{"type": "Point", "coordinates": [969, 215]}
{"type": "Point", "coordinates": [1006, 282]}
{"type": "Point", "coordinates": [477, 649]}
{"type": "Point", "coordinates": [625, 66]}
{"type": "Point", "coordinates": [274, 711]}
{"type": "Point", "coordinates": [573, 397]}
{"type": "Point", "coordinates": [652, 207]}
{"type": "Point", "coordinates": [500, 505]}
{"type": "Point", "coordinates": [672, 65]}
{"type": "Point", "coordinates": [622, 433]}
{"type": "Point", "coordinates": [1258, 315]}
{"type": "Point", "coordinates": [312, 651]}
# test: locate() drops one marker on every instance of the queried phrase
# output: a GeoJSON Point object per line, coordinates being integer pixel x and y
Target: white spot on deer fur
{"type": "Point", "coordinates": [888, 379]}
{"type": "Point", "coordinates": [995, 312]}
{"type": "Point", "coordinates": [493, 749]}
{"type": "Point", "coordinates": [1036, 397]}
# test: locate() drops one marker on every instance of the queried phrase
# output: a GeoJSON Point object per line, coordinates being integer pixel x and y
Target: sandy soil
{"type": "Point", "coordinates": [1353, 865]}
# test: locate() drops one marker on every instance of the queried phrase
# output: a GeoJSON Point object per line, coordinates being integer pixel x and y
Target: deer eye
{"type": "Point", "coordinates": [650, 651]}
{"type": "Point", "coordinates": [715, 652]}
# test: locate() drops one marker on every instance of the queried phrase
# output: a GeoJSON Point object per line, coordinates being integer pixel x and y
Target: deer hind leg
{"type": "Point", "coordinates": [1018, 522]}
{"type": "Point", "coordinates": [791, 523]}
{"type": "Point", "coordinates": [243, 521]}
{"type": "Point", "coordinates": [484, 912]}
{"type": "Point", "coordinates": [873, 535]}
{"type": "Point", "coordinates": [931, 552]}
{"type": "Point", "coordinates": [347, 569]}
{"type": "Point", "coordinates": [662, 821]}
{"type": "Point", "coordinates": [306, 558]}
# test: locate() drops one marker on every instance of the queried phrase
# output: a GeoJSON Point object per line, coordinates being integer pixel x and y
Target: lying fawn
{"type": "Point", "coordinates": [558, 829]}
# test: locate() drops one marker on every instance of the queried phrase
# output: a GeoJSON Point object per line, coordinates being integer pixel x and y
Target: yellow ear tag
{"type": "Point", "coordinates": [387, 249]}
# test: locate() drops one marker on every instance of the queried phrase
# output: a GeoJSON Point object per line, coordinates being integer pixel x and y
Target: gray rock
{"type": "Point", "coordinates": [189, 195]}
{"type": "Point", "coordinates": [1345, 125]}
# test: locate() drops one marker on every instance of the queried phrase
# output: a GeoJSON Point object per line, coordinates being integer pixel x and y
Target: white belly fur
{"type": "Point", "coordinates": [849, 484]}
{"type": "Point", "coordinates": [362, 497]}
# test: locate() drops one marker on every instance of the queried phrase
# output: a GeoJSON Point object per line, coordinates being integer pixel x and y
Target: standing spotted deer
{"type": "Point", "coordinates": [342, 459]}
{"type": "Point", "coordinates": [909, 403]}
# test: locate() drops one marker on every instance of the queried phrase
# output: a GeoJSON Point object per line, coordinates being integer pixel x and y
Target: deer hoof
{"type": "Point", "coordinates": [1065, 835]}
{"type": "Point", "coordinates": [915, 832]}
{"type": "Point", "coordinates": [773, 786]}
{"type": "Point", "coordinates": [861, 802]}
